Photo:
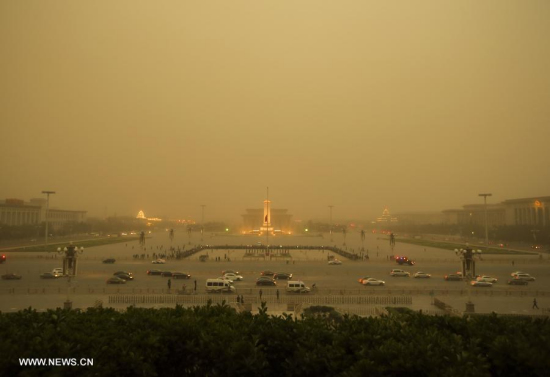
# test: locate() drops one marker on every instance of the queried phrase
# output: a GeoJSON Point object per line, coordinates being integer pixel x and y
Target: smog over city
{"type": "Point", "coordinates": [274, 188]}
{"type": "Point", "coordinates": [163, 107]}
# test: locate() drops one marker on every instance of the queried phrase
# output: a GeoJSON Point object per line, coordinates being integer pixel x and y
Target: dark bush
{"type": "Point", "coordinates": [218, 341]}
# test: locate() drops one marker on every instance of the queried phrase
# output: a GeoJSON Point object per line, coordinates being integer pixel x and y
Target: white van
{"type": "Point", "coordinates": [219, 285]}
{"type": "Point", "coordinates": [297, 287]}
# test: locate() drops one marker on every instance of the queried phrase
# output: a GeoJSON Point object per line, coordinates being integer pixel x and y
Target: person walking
{"type": "Point", "coordinates": [261, 295]}
{"type": "Point", "coordinates": [535, 306]}
{"type": "Point", "coordinates": [277, 295]}
{"type": "Point", "coordinates": [238, 299]}
{"type": "Point", "coordinates": [169, 284]}
{"type": "Point", "coordinates": [195, 285]}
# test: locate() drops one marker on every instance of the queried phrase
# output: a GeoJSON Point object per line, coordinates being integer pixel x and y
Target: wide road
{"type": "Point", "coordinates": [309, 266]}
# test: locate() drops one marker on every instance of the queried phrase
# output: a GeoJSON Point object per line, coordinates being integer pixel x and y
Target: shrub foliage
{"type": "Point", "coordinates": [218, 341]}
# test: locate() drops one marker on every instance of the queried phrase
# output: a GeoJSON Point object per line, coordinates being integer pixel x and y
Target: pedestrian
{"type": "Point", "coordinates": [512, 263]}
{"type": "Point", "coordinates": [238, 299]}
{"type": "Point", "coordinates": [277, 295]}
{"type": "Point", "coordinates": [169, 284]}
{"type": "Point", "coordinates": [195, 285]}
{"type": "Point", "coordinates": [261, 295]}
{"type": "Point", "coordinates": [535, 306]}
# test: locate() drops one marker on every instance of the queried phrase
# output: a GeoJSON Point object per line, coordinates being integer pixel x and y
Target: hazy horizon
{"type": "Point", "coordinates": [161, 107]}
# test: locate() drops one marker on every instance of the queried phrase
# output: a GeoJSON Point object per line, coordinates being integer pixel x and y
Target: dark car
{"type": "Point", "coordinates": [453, 277]}
{"type": "Point", "coordinates": [11, 277]}
{"type": "Point", "coordinates": [180, 275]}
{"type": "Point", "coordinates": [268, 282]}
{"type": "Point", "coordinates": [518, 282]}
{"type": "Point", "coordinates": [154, 272]}
{"type": "Point", "coordinates": [267, 273]}
{"type": "Point", "coordinates": [282, 276]}
{"type": "Point", "coordinates": [166, 274]}
{"type": "Point", "coordinates": [125, 277]}
{"type": "Point", "coordinates": [109, 260]}
{"type": "Point", "coordinates": [49, 275]}
{"type": "Point", "coordinates": [123, 273]}
{"type": "Point", "coordinates": [116, 280]}
{"type": "Point", "coordinates": [404, 260]}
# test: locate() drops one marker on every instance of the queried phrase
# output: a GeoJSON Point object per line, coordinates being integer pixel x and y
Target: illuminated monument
{"type": "Point", "coordinates": [274, 221]}
{"type": "Point", "coordinates": [266, 226]}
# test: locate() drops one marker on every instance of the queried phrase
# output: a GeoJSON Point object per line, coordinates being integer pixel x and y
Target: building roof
{"type": "Point", "coordinates": [528, 200]}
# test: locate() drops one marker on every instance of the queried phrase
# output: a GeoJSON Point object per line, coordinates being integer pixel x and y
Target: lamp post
{"type": "Point", "coordinates": [486, 227]}
{"type": "Point", "coordinates": [202, 222]}
{"type": "Point", "coordinates": [69, 260]}
{"type": "Point", "coordinates": [69, 267]}
{"type": "Point", "coordinates": [330, 226]}
{"type": "Point", "coordinates": [47, 214]}
{"type": "Point", "coordinates": [468, 272]}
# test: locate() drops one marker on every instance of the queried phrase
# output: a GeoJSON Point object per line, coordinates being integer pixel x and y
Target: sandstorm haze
{"type": "Point", "coordinates": [164, 106]}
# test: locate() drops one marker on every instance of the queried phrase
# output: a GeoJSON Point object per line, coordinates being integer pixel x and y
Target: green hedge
{"type": "Point", "coordinates": [217, 341]}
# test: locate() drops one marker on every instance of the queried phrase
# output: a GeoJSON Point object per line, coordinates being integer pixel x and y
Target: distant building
{"type": "Point", "coordinates": [386, 218]}
{"type": "Point", "coordinates": [18, 212]}
{"type": "Point", "coordinates": [526, 211]}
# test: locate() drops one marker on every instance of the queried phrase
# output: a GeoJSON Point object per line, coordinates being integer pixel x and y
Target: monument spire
{"type": "Point", "coordinates": [267, 218]}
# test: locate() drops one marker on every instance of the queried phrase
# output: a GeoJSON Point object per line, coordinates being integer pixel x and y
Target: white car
{"type": "Point", "coordinates": [159, 261]}
{"type": "Point", "coordinates": [225, 278]}
{"type": "Point", "coordinates": [524, 276]}
{"type": "Point", "coordinates": [488, 279]}
{"type": "Point", "coordinates": [233, 276]}
{"type": "Point", "coordinates": [397, 272]}
{"type": "Point", "coordinates": [478, 283]}
{"type": "Point", "coordinates": [58, 271]}
{"type": "Point", "coordinates": [515, 273]}
{"type": "Point", "coordinates": [422, 275]}
{"type": "Point", "coordinates": [335, 262]}
{"type": "Point", "coordinates": [373, 281]}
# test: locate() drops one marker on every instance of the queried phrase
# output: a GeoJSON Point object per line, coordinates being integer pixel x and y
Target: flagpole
{"type": "Point", "coordinates": [267, 222]}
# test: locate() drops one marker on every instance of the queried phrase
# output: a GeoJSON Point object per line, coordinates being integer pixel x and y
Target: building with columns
{"type": "Point", "coordinates": [18, 212]}
{"type": "Point", "coordinates": [527, 211]}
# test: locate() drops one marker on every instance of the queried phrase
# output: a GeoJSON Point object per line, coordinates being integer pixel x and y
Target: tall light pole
{"type": "Point", "coordinates": [330, 226]}
{"type": "Point", "coordinates": [202, 222]}
{"type": "Point", "coordinates": [486, 226]}
{"type": "Point", "coordinates": [47, 214]}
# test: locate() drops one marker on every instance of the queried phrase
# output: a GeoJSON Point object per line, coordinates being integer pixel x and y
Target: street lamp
{"type": "Point", "coordinates": [330, 226]}
{"type": "Point", "coordinates": [202, 222]}
{"type": "Point", "coordinates": [486, 227]}
{"type": "Point", "coordinates": [47, 214]}
{"type": "Point", "coordinates": [69, 267]}
{"type": "Point", "coordinates": [69, 260]}
{"type": "Point", "coordinates": [468, 272]}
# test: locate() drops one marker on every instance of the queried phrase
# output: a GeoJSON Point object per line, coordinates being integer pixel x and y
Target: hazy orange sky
{"type": "Point", "coordinates": [166, 105]}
